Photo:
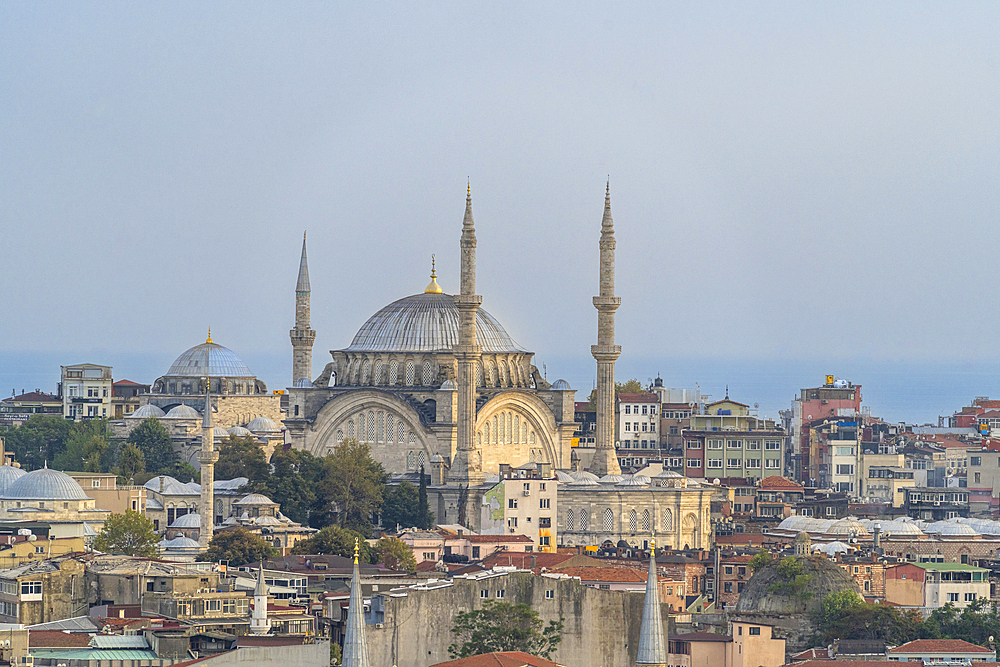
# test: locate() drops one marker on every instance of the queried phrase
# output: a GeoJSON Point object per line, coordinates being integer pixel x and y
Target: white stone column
{"type": "Point", "coordinates": [207, 458]}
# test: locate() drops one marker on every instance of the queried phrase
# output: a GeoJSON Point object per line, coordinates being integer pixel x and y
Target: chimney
{"type": "Point", "coordinates": [161, 483]}
{"type": "Point", "coordinates": [534, 561]}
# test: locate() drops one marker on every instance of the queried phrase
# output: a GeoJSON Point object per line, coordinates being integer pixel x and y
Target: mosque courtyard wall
{"type": "Point", "coordinates": [601, 627]}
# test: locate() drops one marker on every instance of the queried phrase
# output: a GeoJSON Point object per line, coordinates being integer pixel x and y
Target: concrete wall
{"type": "Point", "coordinates": [601, 627]}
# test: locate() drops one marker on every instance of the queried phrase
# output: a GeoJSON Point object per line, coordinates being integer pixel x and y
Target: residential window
{"type": "Point", "coordinates": [213, 605]}
{"type": "Point", "coordinates": [734, 444]}
{"type": "Point", "coordinates": [969, 597]}
{"type": "Point", "coordinates": [550, 595]}
{"type": "Point", "coordinates": [715, 444]}
{"type": "Point", "coordinates": [500, 592]}
{"type": "Point", "coordinates": [753, 463]}
{"type": "Point", "coordinates": [728, 587]}
{"type": "Point", "coordinates": [830, 511]}
{"type": "Point", "coordinates": [430, 555]}
{"type": "Point", "coordinates": [729, 569]}
{"type": "Point", "coordinates": [845, 469]}
{"type": "Point", "coordinates": [692, 444]}
{"type": "Point", "coordinates": [977, 460]}
{"type": "Point", "coordinates": [31, 588]}
{"type": "Point", "coordinates": [644, 426]}
{"type": "Point", "coordinates": [694, 463]}
{"type": "Point", "coordinates": [543, 541]}
{"type": "Point", "coordinates": [772, 444]}
{"type": "Point", "coordinates": [628, 426]}
{"type": "Point", "coordinates": [652, 427]}
{"type": "Point", "coordinates": [753, 444]}
{"type": "Point", "coordinates": [512, 503]}
{"type": "Point", "coordinates": [952, 597]}
{"type": "Point", "coordinates": [229, 607]}
{"type": "Point", "coordinates": [733, 463]}
{"type": "Point", "coordinates": [644, 409]}
{"type": "Point", "coordinates": [754, 630]}
{"type": "Point", "coordinates": [714, 463]}
{"type": "Point", "coordinates": [628, 409]}
{"type": "Point", "coordinates": [541, 486]}
{"type": "Point", "coordinates": [772, 464]}
{"type": "Point", "coordinates": [95, 482]}
{"type": "Point", "coordinates": [484, 593]}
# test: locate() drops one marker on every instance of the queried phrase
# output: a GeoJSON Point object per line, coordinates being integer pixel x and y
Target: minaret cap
{"type": "Point", "coordinates": [209, 339]}
{"type": "Point", "coordinates": [356, 547]}
{"type": "Point", "coordinates": [433, 287]}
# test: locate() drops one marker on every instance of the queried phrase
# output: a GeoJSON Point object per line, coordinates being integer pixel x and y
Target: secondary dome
{"type": "Point", "coordinates": [44, 484]}
{"type": "Point", "coordinates": [426, 323]}
{"type": "Point", "coordinates": [8, 475]}
{"type": "Point", "coordinates": [261, 424]}
{"type": "Point", "coordinates": [209, 359]}
{"type": "Point", "coordinates": [190, 520]}
{"type": "Point", "coordinates": [183, 412]}
{"type": "Point", "coordinates": [147, 411]}
{"type": "Point", "coordinates": [239, 431]}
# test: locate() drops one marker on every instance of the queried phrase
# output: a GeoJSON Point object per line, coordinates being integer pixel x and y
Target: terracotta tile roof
{"type": "Point", "coordinates": [702, 637]}
{"type": "Point", "coordinates": [778, 482]}
{"type": "Point", "coordinates": [606, 574]}
{"type": "Point", "coordinates": [500, 659]}
{"type": "Point", "coordinates": [637, 398]}
{"type": "Point", "coordinates": [813, 654]}
{"type": "Point", "coordinates": [128, 383]}
{"type": "Point", "coordinates": [939, 646]}
{"type": "Point", "coordinates": [57, 639]}
{"type": "Point", "coordinates": [32, 397]}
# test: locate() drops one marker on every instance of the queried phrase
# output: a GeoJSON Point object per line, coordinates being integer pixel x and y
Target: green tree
{"type": "Point", "coordinates": [335, 541]}
{"type": "Point", "coordinates": [153, 440]}
{"type": "Point", "coordinates": [792, 580]}
{"type": "Point", "coordinates": [130, 533]}
{"type": "Point", "coordinates": [400, 507]}
{"type": "Point", "coordinates": [844, 615]}
{"type": "Point", "coordinates": [352, 486]}
{"type": "Point", "coordinates": [131, 464]}
{"type": "Point", "coordinates": [293, 484]}
{"type": "Point", "coordinates": [425, 518]}
{"type": "Point", "coordinates": [85, 446]}
{"type": "Point", "coordinates": [760, 559]}
{"type": "Point", "coordinates": [185, 472]}
{"type": "Point", "coordinates": [238, 546]}
{"type": "Point", "coordinates": [395, 554]}
{"type": "Point", "coordinates": [501, 626]}
{"type": "Point", "coordinates": [38, 440]}
{"type": "Point", "coordinates": [242, 457]}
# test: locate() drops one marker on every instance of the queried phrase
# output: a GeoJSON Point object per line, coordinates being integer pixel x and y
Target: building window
{"type": "Point", "coordinates": [512, 503]}
{"type": "Point", "coordinates": [543, 503]}
{"type": "Point", "coordinates": [753, 630]}
{"type": "Point", "coordinates": [543, 541]}
{"type": "Point", "coordinates": [970, 597]}
{"type": "Point", "coordinates": [691, 444]}
{"type": "Point", "coordinates": [628, 409]}
{"type": "Point", "coordinates": [830, 511]}
{"type": "Point", "coordinates": [694, 463]}
{"type": "Point", "coordinates": [714, 463]}
{"type": "Point", "coordinates": [484, 593]}
{"type": "Point", "coordinates": [733, 463]}
{"type": "Point", "coordinates": [500, 593]}
{"type": "Point", "coordinates": [549, 595]}
{"type": "Point", "coordinates": [952, 597]}
{"type": "Point", "coordinates": [772, 464]}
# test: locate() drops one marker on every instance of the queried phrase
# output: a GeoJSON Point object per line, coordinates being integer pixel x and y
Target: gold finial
{"type": "Point", "coordinates": [356, 545]}
{"type": "Point", "coordinates": [468, 188]}
{"type": "Point", "coordinates": [652, 545]}
{"type": "Point", "coordinates": [433, 287]}
{"type": "Point", "coordinates": [209, 339]}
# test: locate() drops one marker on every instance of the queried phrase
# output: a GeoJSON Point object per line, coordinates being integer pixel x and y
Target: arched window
{"type": "Point", "coordinates": [410, 460]}
{"type": "Point", "coordinates": [410, 370]}
{"type": "Point", "coordinates": [366, 369]}
{"type": "Point", "coordinates": [350, 429]}
{"type": "Point", "coordinates": [524, 432]}
{"type": "Point", "coordinates": [371, 426]}
{"type": "Point", "coordinates": [486, 430]}
{"type": "Point", "coordinates": [399, 433]}
{"type": "Point", "coordinates": [631, 521]}
{"type": "Point", "coordinates": [531, 456]}
{"type": "Point", "coordinates": [609, 520]}
{"type": "Point", "coordinates": [428, 374]}
{"type": "Point", "coordinates": [503, 373]}
{"type": "Point", "coordinates": [502, 430]}
{"type": "Point", "coordinates": [380, 433]}
{"type": "Point", "coordinates": [378, 372]}
{"type": "Point", "coordinates": [667, 525]}
{"type": "Point", "coordinates": [645, 521]}
{"type": "Point", "coordinates": [584, 520]}
{"type": "Point", "coordinates": [420, 459]}
{"type": "Point", "coordinates": [496, 429]}
{"type": "Point", "coordinates": [508, 431]}
{"type": "Point", "coordinates": [531, 438]}
{"type": "Point", "coordinates": [393, 372]}
{"type": "Point", "coordinates": [479, 374]}
{"type": "Point", "coordinates": [517, 429]}
{"type": "Point", "coordinates": [570, 520]}
{"type": "Point", "coordinates": [340, 436]}
{"type": "Point", "coordinates": [390, 429]}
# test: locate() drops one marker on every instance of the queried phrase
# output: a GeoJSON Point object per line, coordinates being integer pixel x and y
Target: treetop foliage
{"type": "Point", "coordinates": [501, 626]}
{"type": "Point", "coordinates": [130, 533]}
{"type": "Point", "coordinates": [239, 546]}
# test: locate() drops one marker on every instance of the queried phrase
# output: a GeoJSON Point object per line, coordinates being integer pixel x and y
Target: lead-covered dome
{"type": "Point", "coordinates": [426, 323]}
{"type": "Point", "coordinates": [45, 484]}
{"type": "Point", "coordinates": [8, 475]}
{"type": "Point", "coordinates": [209, 359]}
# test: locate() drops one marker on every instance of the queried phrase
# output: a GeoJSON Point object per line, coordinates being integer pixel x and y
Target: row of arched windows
{"type": "Point", "coordinates": [501, 373]}
{"type": "Point", "coordinates": [506, 428]}
{"type": "Point", "coordinates": [631, 520]}
{"type": "Point", "coordinates": [376, 427]}
{"type": "Point", "coordinates": [414, 460]}
{"type": "Point", "coordinates": [364, 372]}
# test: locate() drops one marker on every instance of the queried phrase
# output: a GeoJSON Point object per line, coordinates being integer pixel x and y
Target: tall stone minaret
{"type": "Point", "coordinates": [652, 644]}
{"type": "Point", "coordinates": [606, 352]}
{"type": "Point", "coordinates": [302, 336]}
{"type": "Point", "coordinates": [207, 458]}
{"type": "Point", "coordinates": [467, 468]}
{"type": "Point", "coordinates": [355, 653]}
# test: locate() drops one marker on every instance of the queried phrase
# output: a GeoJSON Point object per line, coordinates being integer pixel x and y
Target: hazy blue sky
{"type": "Point", "coordinates": [790, 181]}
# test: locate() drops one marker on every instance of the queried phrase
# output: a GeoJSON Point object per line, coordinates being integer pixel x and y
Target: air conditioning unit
{"type": "Point", "coordinates": [379, 626]}
{"type": "Point", "coordinates": [527, 493]}
{"type": "Point", "coordinates": [937, 503]}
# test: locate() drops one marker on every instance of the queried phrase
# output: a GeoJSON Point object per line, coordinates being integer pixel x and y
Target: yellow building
{"type": "Point", "coordinates": [883, 478]}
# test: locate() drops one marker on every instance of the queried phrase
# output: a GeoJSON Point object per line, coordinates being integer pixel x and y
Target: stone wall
{"type": "Point", "coordinates": [601, 627]}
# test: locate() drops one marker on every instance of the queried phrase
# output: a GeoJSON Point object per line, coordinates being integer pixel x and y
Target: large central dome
{"type": "Point", "coordinates": [427, 323]}
{"type": "Point", "coordinates": [211, 360]}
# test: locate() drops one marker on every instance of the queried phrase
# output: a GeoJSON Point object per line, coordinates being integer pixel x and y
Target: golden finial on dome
{"type": "Point", "coordinates": [356, 547]}
{"type": "Point", "coordinates": [209, 339]}
{"type": "Point", "coordinates": [433, 287]}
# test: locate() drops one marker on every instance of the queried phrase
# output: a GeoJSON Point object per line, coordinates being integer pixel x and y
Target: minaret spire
{"type": "Point", "coordinates": [207, 458]}
{"type": "Point", "coordinates": [605, 461]}
{"type": "Point", "coordinates": [467, 464]}
{"type": "Point", "coordinates": [355, 653]}
{"type": "Point", "coordinates": [302, 335]}
{"type": "Point", "coordinates": [259, 622]}
{"type": "Point", "coordinates": [652, 647]}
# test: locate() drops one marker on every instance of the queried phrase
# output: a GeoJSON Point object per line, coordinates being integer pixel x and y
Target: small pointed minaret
{"type": "Point", "coordinates": [467, 465]}
{"type": "Point", "coordinates": [652, 646]}
{"type": "Point", "coordinates": [259, 623]}
{"type": "Point", "coordinates": [207, 458]}
{"type": "Point", "coordinates": [302, 336]}
{"type": "Point", "coordinates": [606, 353]}
{"type": "Point", "coordinates": [355, 653]}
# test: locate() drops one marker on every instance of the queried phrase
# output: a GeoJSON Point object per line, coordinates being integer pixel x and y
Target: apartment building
{"type": "Point", "coordinates": [927, 586]}
{"type": "Point", "coordinates": [935, 503]}
{"type": "Point", "coordinates": [637, 421]}
{"type": "Point", "coordinates": [833, 399]}
{"type": "Point", "coordinates": [86, 391]}
{"type": "Point", "coordinates": [523, 502]}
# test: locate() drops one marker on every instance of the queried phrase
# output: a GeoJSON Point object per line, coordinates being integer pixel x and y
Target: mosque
{"type": "Point", "coordinates": [398, 386]}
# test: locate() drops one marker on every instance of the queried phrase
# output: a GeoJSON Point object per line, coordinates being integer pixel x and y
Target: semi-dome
{"type": "Point", "coordinates": [564, 477]}
{"type": "Point", "coordinates": [8, 474]}
{"type": "Point", "coordinates": [261, 424]}
{"type": "Point", "coordinates": [957, 530]}
{"type": "Point", "coordinates": [427, 323]}
{"type": "Point", "coordinates": [147, 411]}
{"type": "Point", "coordinates": [45, 484]}
{"type": "Point", "coordinates": [183, 412]}
{"type": "Point", "coordinates": [179, 543]}
{"type": "Point", "coordinates": [303, 383]}
{"type": "Point", "coordinates": [190, 520]}
{"type": "Point", "coordinates": [211, 360]}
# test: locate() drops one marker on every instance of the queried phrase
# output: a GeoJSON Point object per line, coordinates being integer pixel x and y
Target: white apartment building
{"type": "Point", "coordinates": [523, 502]}
{"type": "Point", "coordinates": [638, 421]}
{"type": "Point", "coordinates": [86, 391]}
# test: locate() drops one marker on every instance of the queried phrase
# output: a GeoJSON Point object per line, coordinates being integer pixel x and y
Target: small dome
{"type": "Point", "coordinates": [436, 458]}
{"type": "Point", "coordinates": [239, 432]}
{"type": "Point", "coordinates": [7, 476]}
{"type": "Point", "coordinates": [284, 519]}
{"type": "Point", "coordinates": [635, 480]}
{"type": "Point", "coordinates": [584, 474]}
{"type": "Point", "coordinates": [957, 529]}
{"type": "Point", "coordinates": [45, 484]}
{"type": "Point", "coordinates": [209, 359]}
{"type": "Point", "coordinates": [266, 521]}
{"type": "Point", "coordinates": [191, 520]}
{"type": "Point", "coordinates": [668, 474]}
{"type": "Point", "coordinates": [448, 385]}
{"type": "Point", "coordinates": [611, 479]}
{"type": "Point", "coordinates": [230, 521]}
{"type": "Point", "coordinates": [561, 385]}
{"type": "Point", "coordinates": [262, 425]}
{"type": "Point", "coordinates": [147, 411]}
{"type": "Point", "coordinates": [897, 528]}
{"type": "Point", "coordinates": [303, 383]}
{"type": "Point", "coordinates": [254, 499]}
{"type": "Point", "coordinates": [564, 477]}
{"type": "Point", "coordinates": [179, 543]}
{"type": "Point", "coordinates": [220, 433]}
{"type": "Point", "coordinates": [584, 481]}
{"type": "Point", "coordinates": [847, 526]}
{"type": "Point", "coordinates": [803, 537]}
{"type": "Point", "coordinates": [833, 548]}
{"type": "Point", "coordinates": [183, 412]}
{"type": "Point", "coordinates": [171, 487]}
